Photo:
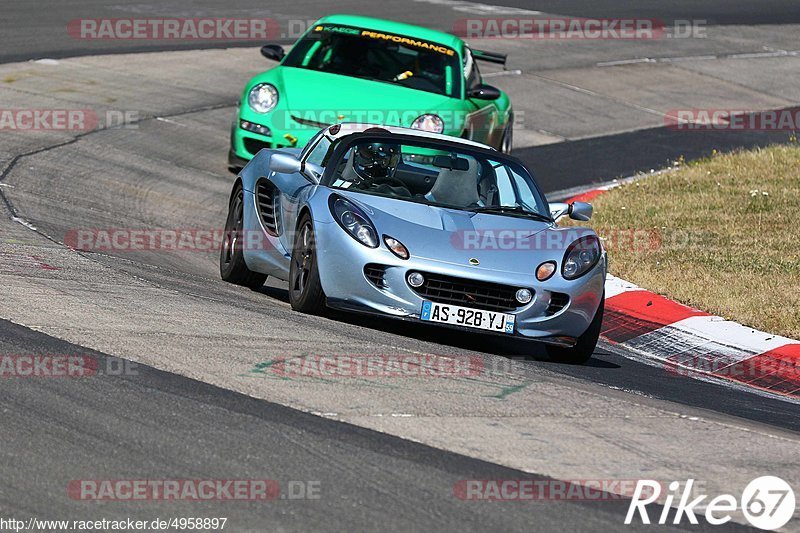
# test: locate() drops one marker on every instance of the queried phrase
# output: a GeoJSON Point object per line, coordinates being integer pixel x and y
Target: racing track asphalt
{"type": "Point", "coordinates": [33, 30]}
{"type": "Point", "coordinates": [53, 434]}
{"type": "Point", "coordinates": [582, 162]}
{"type": "Point", "coordinates": [714, 11]}
{"type": "Point", "coordinates": [115, 426]}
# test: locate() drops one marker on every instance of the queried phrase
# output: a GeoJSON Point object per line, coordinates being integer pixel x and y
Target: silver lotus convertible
{"type": "Point", "coordinates": [417, 226]}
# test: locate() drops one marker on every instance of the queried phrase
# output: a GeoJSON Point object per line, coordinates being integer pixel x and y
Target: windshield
{"type": "Point", "coordinates": [455, 178]}
{"type": "Point", "coordinates": [377, 56]}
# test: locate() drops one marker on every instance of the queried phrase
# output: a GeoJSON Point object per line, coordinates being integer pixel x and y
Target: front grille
{"type": "Point", "coordinates": [468, 293]}
{"type": "Point", "coordinates": [254, 145]}
{"type": "Point", "coordinates": [558, 301]}
{"type": "Point", "coordinates": [376, 274]}
{"type": "Point", "coordinates": [307, 122]}
{"type": "Point", "coordinates": [265, 200]}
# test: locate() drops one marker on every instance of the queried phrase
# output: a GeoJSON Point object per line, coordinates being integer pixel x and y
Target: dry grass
{"type": "Point", "coordinates": [722, 235]}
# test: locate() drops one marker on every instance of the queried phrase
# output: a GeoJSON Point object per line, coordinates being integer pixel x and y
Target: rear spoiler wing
{"type": "Point", "coordinates": [491, 57]}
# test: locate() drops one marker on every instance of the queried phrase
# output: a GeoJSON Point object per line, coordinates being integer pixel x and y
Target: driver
{"type": "Point", "coordinates": [375, 164]}
{"type": "Point", "coordinates": [374, 161]}
{"type": "Point", "coordinates": [432, 68]}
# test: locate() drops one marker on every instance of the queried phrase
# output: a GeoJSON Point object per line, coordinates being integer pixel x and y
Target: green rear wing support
{"type": "Point", "coordinates": [491, 57]}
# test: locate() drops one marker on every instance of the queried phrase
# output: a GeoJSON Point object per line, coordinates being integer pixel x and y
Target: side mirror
{"type": "Point", "coordinates": [273, 51]}
{"type": "Point", "coordinates": [284, 163]}
{"type": "Point", "coordinates": [576, 210]}
{"type": "Point", "coordinates": [580, 211]}
{"type": "Point", "coordinates": [484, 92]}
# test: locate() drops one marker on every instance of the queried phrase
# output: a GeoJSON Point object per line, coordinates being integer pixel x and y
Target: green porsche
{"type": "Point", "coordinates": [358, 69]}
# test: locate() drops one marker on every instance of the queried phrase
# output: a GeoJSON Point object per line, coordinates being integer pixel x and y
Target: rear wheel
{"type": "Point", "coordinates": [584, 348]}
{"type": "Point", "coordinates": [232, 267]}
{"type": "Point", "coordinates": [305, 289]}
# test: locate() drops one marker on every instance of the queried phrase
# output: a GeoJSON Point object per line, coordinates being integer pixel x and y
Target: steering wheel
{"type": "Point", "coordinates": [394, 183]}
{"type": "Point", "coordinates": [391, 181]}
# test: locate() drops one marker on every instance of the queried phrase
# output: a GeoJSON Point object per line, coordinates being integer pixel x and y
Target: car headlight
{"type": "Point", "coordinates": [581, 256]}
{"type": "Point", "coordinates": [431, 123]}
{"type": "Point", "coordinates": [263, 98]}
{"type": "Point", "coordinates": [353, 221]}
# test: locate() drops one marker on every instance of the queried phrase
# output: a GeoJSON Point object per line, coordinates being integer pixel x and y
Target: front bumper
{"type": "Point", "coordinates": [246, 144]}
{"type": "Point", "coordinates": [285, 132]}
{"type": "Point", "coordinates": [342, 261]}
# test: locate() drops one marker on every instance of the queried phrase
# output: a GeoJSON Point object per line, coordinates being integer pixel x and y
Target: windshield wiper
{"type": "Point", "coordinates": [508, 209]}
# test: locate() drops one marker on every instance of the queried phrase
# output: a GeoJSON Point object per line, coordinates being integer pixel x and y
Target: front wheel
{"type": "Point", "coordinates": [232, 267]}
{"type": "Point", "coordinates": [305, 289]}
{"type": "Point", "coordinates": [584, 348]}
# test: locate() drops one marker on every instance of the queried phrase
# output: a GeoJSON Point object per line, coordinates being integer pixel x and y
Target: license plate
{"type": "Point", "coordinates": [470, 318]}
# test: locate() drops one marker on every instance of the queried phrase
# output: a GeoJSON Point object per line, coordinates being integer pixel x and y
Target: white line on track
{"type": "Point", "coordinates": [589, 92]}
{"type": "Point", "coordinates": [515, 72]}
{"type": "Point", "coordinates": [170, 121]}
{"type": "Point", "coordinates": [625, 62]}
{"type": "Point", "coordinates": [24, 223]}
{"type": "Point", "coordinates": [748, 55]}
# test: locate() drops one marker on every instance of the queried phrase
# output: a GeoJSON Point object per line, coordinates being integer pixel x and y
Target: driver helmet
{"type": "Point", "coordinates": [375, 159]}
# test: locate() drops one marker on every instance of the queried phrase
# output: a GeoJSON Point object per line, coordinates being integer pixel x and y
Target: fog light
{"type": "Point", "coordinates": [545, 270]}
{"type": "Point", "coordinates": [415, 279]}
{"type": "Point", "coordinates": [524, 296]}
{"type": "Point", "coordinates": [255, 128]}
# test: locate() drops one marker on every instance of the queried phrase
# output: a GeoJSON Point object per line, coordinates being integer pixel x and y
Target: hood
{"type": "Point", "coordinates": [498, 242]}
{"type": "Point", "coordinates": [330, 98]}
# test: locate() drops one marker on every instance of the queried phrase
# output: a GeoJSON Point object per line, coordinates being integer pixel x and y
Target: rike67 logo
{"type": "Point", "coordinates": [767, 502]}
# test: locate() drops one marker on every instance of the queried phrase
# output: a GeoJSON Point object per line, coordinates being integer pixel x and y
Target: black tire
{"type": "Point", "coordinates": [305, 289]}
{"type": "Point", "coordinates": [584, 348]}
{"type": "Point", "coordinates": [232, 267]}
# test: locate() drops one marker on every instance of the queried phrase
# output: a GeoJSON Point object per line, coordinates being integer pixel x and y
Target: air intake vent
{"type": "Point", "coordinates": [254, 146]}
{"type": "Point", "coordinates": [375, 273]}
{"type": "Point", "coordinates": [558, 301]}
{"type": "Point", "coordinates": [265, 200]}
{"type": "Point", "coordinates": [468, 293]}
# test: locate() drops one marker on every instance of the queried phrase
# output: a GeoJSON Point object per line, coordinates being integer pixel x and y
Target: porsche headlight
{"type": "Point", "coordinates": [431, 123]}
{"type": "Point", "coordinates": [581, 256]}
{"type": "Point", "coordinates": [263, 98]}
{"type": "Point", "coordinates": [353, 221]}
